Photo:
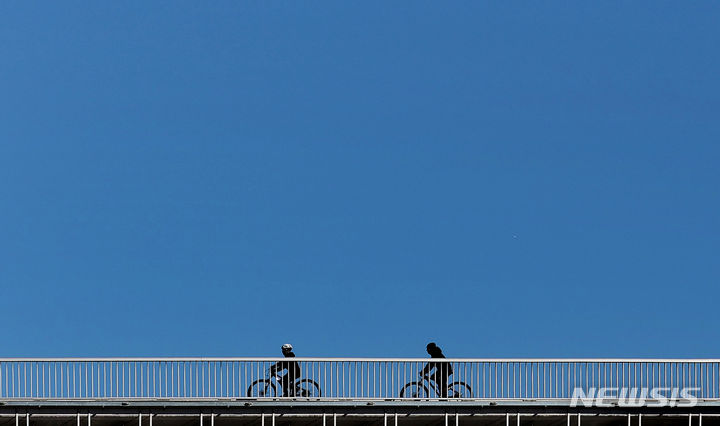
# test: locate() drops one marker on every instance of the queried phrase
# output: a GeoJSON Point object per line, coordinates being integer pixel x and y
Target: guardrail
{"type": "Point", "coordinates": [345, 378]}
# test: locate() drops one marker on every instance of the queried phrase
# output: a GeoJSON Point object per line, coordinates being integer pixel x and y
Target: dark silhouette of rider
{"type": "Point", "coordinates": [443, 370]}
{"type": "Point", "coordinates": [292, 367]}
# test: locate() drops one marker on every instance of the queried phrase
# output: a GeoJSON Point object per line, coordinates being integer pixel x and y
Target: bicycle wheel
{"type": "Point", "coordinates": [307, 388]}
{"type": "Point", "coordinates": [414, 390]}
{"type": "Point", "coordinates": [262, 388]}
{"type": "Point", "coordinates": [459, 390]}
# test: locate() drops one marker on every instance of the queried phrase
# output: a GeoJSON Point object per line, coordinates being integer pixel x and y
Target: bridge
{"type": "Point", "coordinates": [358, 391]}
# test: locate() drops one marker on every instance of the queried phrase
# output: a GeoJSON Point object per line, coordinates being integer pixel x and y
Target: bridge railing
{"type": "Point", "coordinates": [347, 378]}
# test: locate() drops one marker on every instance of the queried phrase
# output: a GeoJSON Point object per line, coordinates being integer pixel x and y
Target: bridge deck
{"type": "Point", "coordinates": [233, 413]}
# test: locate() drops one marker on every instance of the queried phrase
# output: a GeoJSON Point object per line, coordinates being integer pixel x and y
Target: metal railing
{"type": "Point", "coordinates": [346, 378]}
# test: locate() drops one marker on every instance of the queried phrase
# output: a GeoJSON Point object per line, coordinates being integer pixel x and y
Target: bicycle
{"type": "Point", "coordinates": [268, 388]}
{"type": "Point", "coordinates": [419, 389]}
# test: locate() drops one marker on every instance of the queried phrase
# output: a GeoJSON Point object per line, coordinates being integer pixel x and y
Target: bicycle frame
{"type": "Point", "coordinates": [279, 382]}
{"type": "Point", "coordinates": [425, 378]}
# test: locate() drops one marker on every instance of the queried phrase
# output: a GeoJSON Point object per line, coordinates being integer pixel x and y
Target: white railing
{"type": "Point", "coordinates": [344, 378]}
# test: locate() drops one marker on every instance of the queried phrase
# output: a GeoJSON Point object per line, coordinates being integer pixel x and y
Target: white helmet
{"type": "Point", "coordinates": [287, 347]}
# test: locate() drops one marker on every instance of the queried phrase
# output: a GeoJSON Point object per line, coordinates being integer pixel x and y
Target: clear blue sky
{"type": "Point", "coordinates": [359, 178]}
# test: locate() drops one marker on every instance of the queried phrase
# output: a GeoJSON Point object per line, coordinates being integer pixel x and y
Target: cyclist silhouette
{"type": "Point", "coordinates": [292, 367]}
{"type": "Point", "coordinates": [290, 384]}
{"type": "Point", "coordinates": [443, 370]}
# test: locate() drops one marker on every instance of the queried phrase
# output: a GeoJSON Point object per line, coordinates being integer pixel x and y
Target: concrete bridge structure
{"type": "Point", "coordinates": [358, 391]}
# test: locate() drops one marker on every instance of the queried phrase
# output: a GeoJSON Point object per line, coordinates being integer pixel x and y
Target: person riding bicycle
{"type": "Point", "coordinates": [292, 367]}
{"type": "Point", "coordinates": [443, 370]}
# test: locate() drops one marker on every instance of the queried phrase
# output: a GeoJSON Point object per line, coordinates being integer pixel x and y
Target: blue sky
{"type": "Point", "coordinates": [358, 178]}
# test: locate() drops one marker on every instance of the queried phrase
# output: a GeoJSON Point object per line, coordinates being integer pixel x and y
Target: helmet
{"type": "Point", "coordinates": [431, 346]}
{"type": "Point", "coordinates": [287, 347]}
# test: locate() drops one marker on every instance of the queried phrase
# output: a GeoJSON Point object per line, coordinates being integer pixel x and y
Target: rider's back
{"type": "Point", "coordinates": [444, 368]}
{"type": "Point", "coordinates": [293, 367]}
